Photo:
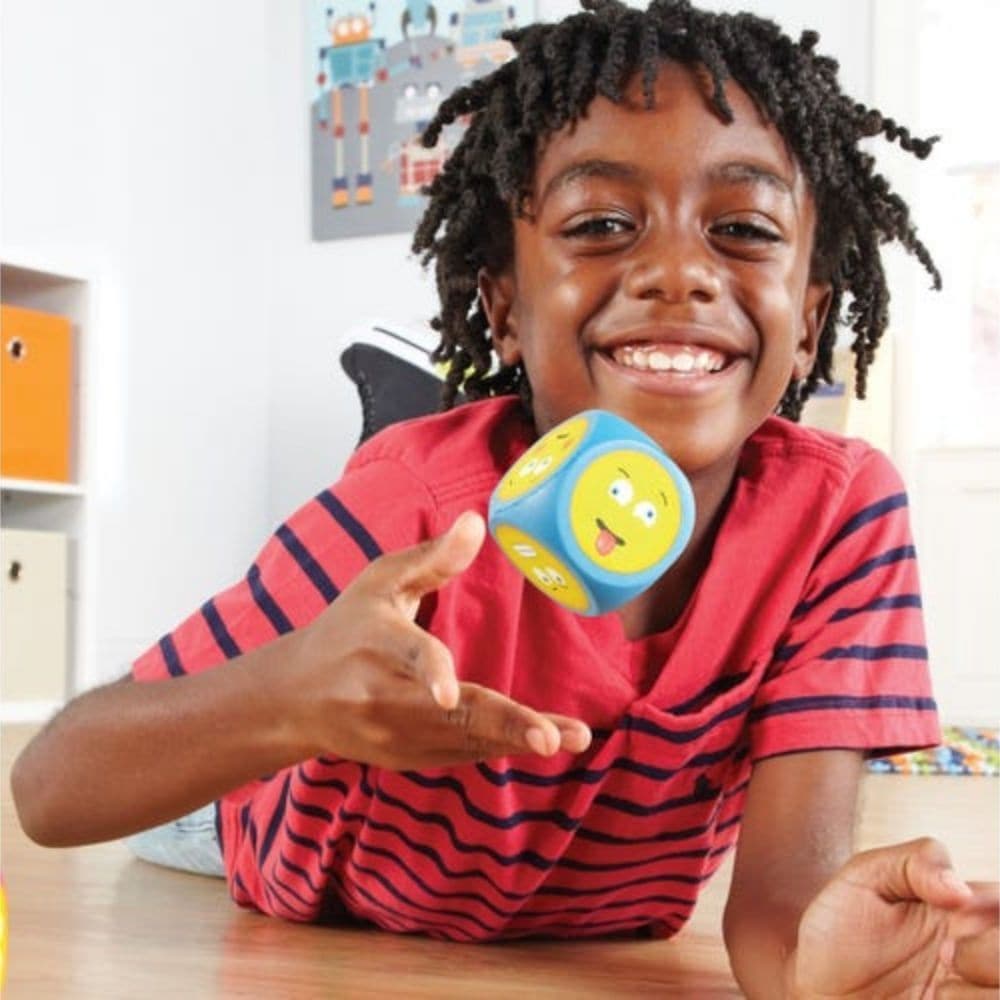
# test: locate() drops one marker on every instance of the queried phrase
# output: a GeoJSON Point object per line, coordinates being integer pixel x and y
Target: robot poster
{"type": "Point", "coordinates": [381, 70]}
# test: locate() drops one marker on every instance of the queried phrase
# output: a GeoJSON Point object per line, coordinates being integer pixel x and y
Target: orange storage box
{"type": "Point", "coordinates": [35, 394]}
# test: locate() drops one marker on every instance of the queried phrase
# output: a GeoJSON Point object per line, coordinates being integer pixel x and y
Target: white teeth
{"type": "Point", "coordinates": [687, 360]}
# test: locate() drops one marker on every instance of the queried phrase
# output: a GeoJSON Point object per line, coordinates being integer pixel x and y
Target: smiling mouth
{"type": "Point", "coordinates": [607, 541]}
{"type": "Point", "coordinates": [681, 359]}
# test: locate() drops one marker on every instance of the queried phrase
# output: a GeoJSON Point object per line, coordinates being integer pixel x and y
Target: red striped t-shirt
{"type": "Point", "coordinates": [805, 632]}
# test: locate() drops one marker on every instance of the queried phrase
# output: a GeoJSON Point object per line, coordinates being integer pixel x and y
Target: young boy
{"type": "Point", "coordinates": [657, 213]}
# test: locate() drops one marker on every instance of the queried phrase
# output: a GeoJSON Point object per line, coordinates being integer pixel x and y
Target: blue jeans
{"type": "Point", "coordinates": [189, 843]}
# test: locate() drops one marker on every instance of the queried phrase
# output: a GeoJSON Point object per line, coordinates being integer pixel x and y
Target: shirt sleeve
{"type": "Point", "coordinates": [851, 669]}
{"type": "Point", "coordinates": [378, 506]}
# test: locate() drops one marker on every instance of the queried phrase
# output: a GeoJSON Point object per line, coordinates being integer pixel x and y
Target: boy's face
{"type": "Point", "coordinates": [661, 271]}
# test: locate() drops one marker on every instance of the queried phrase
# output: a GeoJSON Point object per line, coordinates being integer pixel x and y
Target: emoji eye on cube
{"type": "Point", "coordinates": [593, 512]}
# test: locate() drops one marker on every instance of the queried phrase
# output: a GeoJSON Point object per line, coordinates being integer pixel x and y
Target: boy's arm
{"type": "Point", "coordinates": [797, 831]}
{"type": "Point", "coordinates": [804, 920]}
{"type": "Point", "coordinates": [362, 681]}
{"type": "Point", "coordinates": [130, 755]}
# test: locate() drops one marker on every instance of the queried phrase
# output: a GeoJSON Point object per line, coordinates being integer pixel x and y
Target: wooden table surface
{"type": "Point", "coordinates": [95, 922]}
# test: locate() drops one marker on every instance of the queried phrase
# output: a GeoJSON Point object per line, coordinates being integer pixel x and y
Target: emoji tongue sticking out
{"type": "Point", "coordinates": [606, 542]}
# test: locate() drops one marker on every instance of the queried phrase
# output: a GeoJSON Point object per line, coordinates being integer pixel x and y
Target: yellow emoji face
{"type": "Point", "coordinates": [625, 511]}
{"type": "Point", "coordinates": [542, 459]}
{"type": "Point", "coordinates": [542, 568]}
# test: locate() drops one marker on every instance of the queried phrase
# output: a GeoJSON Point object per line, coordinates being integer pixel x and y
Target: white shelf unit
{"type": "Point", "coordinates": [61, 507]}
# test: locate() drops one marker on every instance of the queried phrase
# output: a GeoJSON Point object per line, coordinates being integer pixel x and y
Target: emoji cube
{"type": "Point", "coordinates": [593, 512]}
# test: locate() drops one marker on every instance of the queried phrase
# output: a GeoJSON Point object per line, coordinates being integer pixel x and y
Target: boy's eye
{"type": "Point", "coordinates": [746, 231]}
{"type": "Point", "coordinates": [599, 225]}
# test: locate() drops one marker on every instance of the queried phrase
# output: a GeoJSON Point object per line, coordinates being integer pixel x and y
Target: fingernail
{"type": "Point", "coordinates": [466, 517]}
{"type": "Point", "coordinates": [443, 694]}
{"type": "Point", "coordinates": [535, 738]}
{"type": "Point", "coordinates": [952, 881]}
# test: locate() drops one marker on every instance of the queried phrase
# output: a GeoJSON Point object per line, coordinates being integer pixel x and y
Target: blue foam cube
{"type": "Point", "coordinates": [593, 512]}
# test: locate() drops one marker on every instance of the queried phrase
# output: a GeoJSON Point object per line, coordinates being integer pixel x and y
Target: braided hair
{"type": "Point", "coordinates": [560, 68]}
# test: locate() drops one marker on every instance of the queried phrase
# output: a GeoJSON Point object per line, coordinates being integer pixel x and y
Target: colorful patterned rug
{"type": "Point", "coordinates": [964, 750]}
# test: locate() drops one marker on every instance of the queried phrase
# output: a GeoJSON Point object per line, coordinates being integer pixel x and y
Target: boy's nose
{"type": "Point", "coordinates": [673, 267]}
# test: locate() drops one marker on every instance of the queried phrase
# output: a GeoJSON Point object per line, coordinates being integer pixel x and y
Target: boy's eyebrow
{"type": "Point", "coordinates": [612, 169]}
{"type": "Point", "coordinates": [735, 172]}
{"type": "Point", "coordinates": [739, 172]}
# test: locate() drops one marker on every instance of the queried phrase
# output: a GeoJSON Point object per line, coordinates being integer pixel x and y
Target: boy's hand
{"type": "Point", "coordinates": [886, 925]}
{"type": "Point", "coordinates": [971, 951]}
{"type": "Point", "coordinates": [370, 685]}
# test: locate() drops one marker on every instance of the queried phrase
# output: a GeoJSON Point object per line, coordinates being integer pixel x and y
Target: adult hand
{"type": "Point", "coordinates": [879, 929]}
{"type": "Point", "coordinates": [368, 684]}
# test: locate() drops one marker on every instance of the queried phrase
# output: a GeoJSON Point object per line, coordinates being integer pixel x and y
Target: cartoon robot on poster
{"type": "Point", "coordinates": [418, 166]}
{"type": "Point", "coordinates": [353, 59]}
{"type": "Point", "coordinates": [418, 16]}
{"type": "Point", "coordinates": [477, 30]}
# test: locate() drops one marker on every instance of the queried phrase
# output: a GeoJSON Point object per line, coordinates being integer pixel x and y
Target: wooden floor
{"type": "Point", "coordinates": [94, 922]}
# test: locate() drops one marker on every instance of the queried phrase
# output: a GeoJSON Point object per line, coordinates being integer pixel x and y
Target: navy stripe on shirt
{"type": "Point", "coordinates": [218, 629]}
{"type": "Point", "coordinates": [555, 816]}
{"type": "Point", "coordinates": [884, 559]}
{"type": "Point", "coordinates": [718, 687]}
{"type": "Point", "coordinates": [274, 824]}
{"type": "Point", "coordinates": [865, 516]}
{"type": "Point", "coordinates": [642, 725]}
{"type": "Point", "coordinates": [391, 914]}
{"type": "Point", "coordinates": [307, 563]}
{"type": "Point", "coordinates": [169, 652]}
{"type": "Point", "coordinates": [442, 911]}
{"type": "Point", "coordinates": [302, 873]}
{"type": "Point", "coordinates": [784, 653]}
{"type": "Point", "coordinates": [879, 604]}
{"type": "Point", "coordinates": [506, 914]}
{"type": "Point", "coordinates": [267, 603]}
{"type": "Point", "coordinates": [820, 703]}
{"type": "Point", "coordinates": [354, 528]}
{"type": "Point", "coordinates": [894, 651]}
{"type": "Point", "coordinates": [591, 776]}
{"type": "Point", "coordinates": [901, 650]}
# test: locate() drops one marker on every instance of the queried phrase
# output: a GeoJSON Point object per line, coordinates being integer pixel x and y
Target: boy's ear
{"type": "Point", "coordinates": [496, 291]}
{"type": "Point", "coordinates": [817, 304]}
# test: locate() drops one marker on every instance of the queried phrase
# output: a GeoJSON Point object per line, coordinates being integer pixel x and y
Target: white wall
{"type": "Point", "coordinates": [844, 27]}
{"type": "Point", "coordinates": [134, 142]}
{"type": "Point", "coordinates": [167, 146]}
{"type": "Point", "coordinates": [319, 291]}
